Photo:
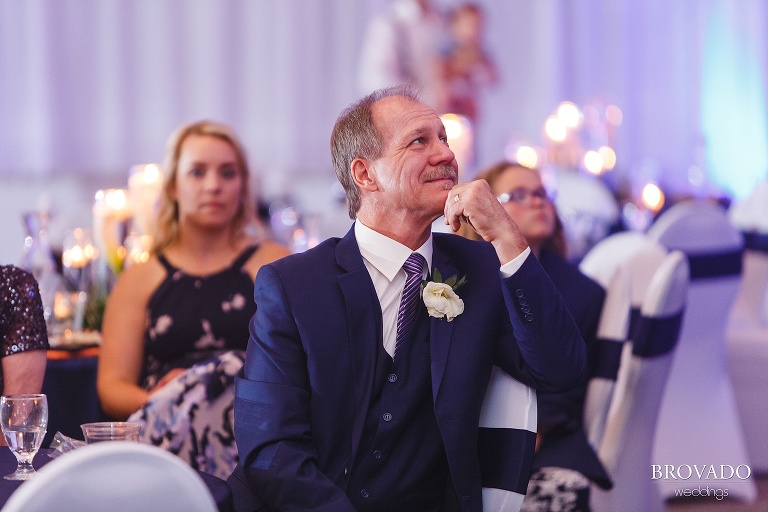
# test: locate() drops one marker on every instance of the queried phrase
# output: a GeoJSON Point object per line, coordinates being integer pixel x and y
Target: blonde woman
{"type": "Point", "coordinates": [178, 324]}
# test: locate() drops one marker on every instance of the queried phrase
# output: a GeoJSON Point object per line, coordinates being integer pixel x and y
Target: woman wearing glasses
{"type": "Point", "coordinates": [564, 462]}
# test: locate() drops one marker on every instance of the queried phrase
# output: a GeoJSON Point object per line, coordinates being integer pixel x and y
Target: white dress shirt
{"type": "Point", "coordinates": [384, 259]}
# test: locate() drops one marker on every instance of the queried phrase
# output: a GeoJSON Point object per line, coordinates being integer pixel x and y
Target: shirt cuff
{"type": "Point", "coordinates": [509, 268]}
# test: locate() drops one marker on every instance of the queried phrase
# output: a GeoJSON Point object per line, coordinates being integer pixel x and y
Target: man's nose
{"type": "Point", "coordinates": [443, 155]}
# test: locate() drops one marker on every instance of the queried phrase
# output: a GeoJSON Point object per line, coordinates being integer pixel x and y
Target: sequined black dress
{"type": "Point", "coordinates": [22, 325]}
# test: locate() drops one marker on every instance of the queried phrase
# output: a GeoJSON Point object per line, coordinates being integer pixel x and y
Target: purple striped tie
{"type": "Point", "coordinates": [414, 267]}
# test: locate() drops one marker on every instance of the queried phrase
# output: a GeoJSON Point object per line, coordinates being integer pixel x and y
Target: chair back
{"type": "Point", "coordinates": [627, 445]}
{"type": "Point", "coordinates": [699, 422]}
{"type": "Point", "coordinates": [750, 307]}
{"type": "Point", "coordinates": [506, 441]}
{"type": "Point", "coordinates": [119, 476]}
{"type": "Point", "coordinates": [750, 217]}
{"type": "Point", "coordinates": [601, 261]}
{"type": "Point", "coordinates": [623, 264]}
{"type": "Point", "coordinates": [747, 331]}
{"type": "Point", "coordinates": [612, 332]}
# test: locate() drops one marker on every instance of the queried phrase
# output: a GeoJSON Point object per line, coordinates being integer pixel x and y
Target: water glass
{"type": "Point", "coordinates": [24, 422]}
{"type": "Point", "coordinates": [110, 431]}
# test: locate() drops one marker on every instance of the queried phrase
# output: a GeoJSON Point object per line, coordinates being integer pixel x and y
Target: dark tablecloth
{"type": "Point", "coordinates": [218, 487]}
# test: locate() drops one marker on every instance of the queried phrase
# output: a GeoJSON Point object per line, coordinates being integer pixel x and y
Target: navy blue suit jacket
{"type": "Point", "coordinates": [303, 396]}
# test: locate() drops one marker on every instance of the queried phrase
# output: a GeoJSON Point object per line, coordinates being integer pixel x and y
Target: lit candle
{"type": "Point", "coordinates": [110, 211]}
{"type": "Point", "coordinates": [144, 188]}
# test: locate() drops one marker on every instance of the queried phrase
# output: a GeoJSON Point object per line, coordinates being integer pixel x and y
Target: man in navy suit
{"type": "Point", "coordinates": [337, 411]}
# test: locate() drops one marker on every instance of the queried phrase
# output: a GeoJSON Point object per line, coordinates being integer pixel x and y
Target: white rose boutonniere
{"type": "Point", "coordinates": [440, 296]}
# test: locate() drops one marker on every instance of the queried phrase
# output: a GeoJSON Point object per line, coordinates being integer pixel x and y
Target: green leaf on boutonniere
{"type": "Point", "coordinates": [454, 282]}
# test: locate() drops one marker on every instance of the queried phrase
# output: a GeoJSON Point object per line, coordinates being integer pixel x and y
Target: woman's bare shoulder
{"type": "Point", "coordinates": [268, 252]}
{"type": "Point", "coordinates": [141, 279]}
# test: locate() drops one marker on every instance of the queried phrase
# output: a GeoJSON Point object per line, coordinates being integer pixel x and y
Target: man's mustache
{"type": "Point", "coordinates": [442, 172]}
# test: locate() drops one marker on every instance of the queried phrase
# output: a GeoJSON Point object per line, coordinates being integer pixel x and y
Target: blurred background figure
{"type": "Point", "coordinates": [176, 327]}
{"type": "Point", "coordinates": [23, 333]}
{"type": "Point", "coordinates": [402, 45]}
{"type": "Point", "coordinates": [564, 463]}
{"type": "Point", "coordinates": [466, 65]}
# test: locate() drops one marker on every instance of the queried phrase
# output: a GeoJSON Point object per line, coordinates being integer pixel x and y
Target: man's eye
{"type": "Point", "coordinates": [419, 140]}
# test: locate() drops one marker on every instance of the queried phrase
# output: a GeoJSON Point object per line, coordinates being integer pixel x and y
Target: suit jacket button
{"type": "Point", "coordinates": [526, 308]}
{"type": "Point", "coordinates": [364, 494]}
{"type": "Point", "coordinates": [387, 417]}
{"type": "Point", "coordinates": [377, 454]}
{"type": "Point", "coordinates": [392, 377]}
{"type": "Point", "coordinates": [519, 292]}
{"type": "Point", "coordinates": [522, 301]}
{"type": "Point", "coordinates": [529, 317]}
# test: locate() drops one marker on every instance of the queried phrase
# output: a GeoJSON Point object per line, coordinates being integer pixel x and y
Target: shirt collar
{"type": "Point", "coordinates": [385, 254]}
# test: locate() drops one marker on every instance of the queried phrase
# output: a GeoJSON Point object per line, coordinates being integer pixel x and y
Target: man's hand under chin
{"type": "Point", "coordinates": [475, 204]}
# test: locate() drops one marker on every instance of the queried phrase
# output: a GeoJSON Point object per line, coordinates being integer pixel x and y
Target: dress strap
{"type": "Point", "coordinates": [168, 267]}
{"type": "Point", "coordinates": [243, 257]}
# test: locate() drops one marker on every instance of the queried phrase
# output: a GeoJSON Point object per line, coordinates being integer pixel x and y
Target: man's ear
{"type": "Point", "coordinates": [363, 175]}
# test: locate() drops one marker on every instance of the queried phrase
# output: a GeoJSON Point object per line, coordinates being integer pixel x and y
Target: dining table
{"type": "Point", "coordinates": [70, 384]}
{"type": "Point", "coordinates": [219, 489]}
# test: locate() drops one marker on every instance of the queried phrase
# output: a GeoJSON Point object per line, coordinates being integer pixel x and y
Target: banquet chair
{"type": "Point", "coordinates": [119, 476]}
{"type": "Point", "coordinates": [507, 433]}
{"type": "Point", "coordinates": [626, 447]}
{"type": "Point", "coordinates": [612, 333]}
{"type": "Point", "coordinates": [698, 421]}
{"type": "Point", "coordinates": [623, 264]}
{"type": "Point", "coordinates": [747, 330]}
{"type": "Point", "coordinates": [587, 208]}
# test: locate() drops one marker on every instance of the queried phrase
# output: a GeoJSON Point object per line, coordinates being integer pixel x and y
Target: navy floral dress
{"type": "Point", "coordinates": [200, 324]}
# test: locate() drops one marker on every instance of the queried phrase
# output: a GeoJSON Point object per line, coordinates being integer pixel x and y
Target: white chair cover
{"type": "Point", "coordinates": [699, 423]}
{"type": "Point", "coordinates": [747, 331]}
{"type": "Point", "coordinates": [587, 208]}
{"type": "Point", "coordinates": [508, 429]}
{"type": "Point", "coordinates": [119, 476]}
{"type": "Point", "coordinates": [612, 333]}
{"type": "Point", "coordinates": [627, 444]}
{"type": "Point", "coordinates": [624, 264]}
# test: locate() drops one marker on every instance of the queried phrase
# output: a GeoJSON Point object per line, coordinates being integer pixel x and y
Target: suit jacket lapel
{"type": "Point", "coordinates": [440, 330]}
{"type": "Point", "coordinates": [363, 326]}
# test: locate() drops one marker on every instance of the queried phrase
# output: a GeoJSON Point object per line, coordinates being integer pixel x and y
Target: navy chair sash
{"type": "Point", "coordinates": [634, 322]}
{"type": "Point", "coordinates": [715, 264]}
{"type": "Point", "coordinates": [756, 241]}
{"type": "Point", "coordinates": [657, 335]}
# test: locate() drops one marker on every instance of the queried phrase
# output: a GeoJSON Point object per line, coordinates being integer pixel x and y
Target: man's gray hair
{"type": "Point", "coordinates": [355, 136]}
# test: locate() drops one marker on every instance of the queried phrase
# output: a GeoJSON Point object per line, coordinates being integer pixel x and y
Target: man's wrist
{"type": "Point", "coordinates": [512, 266]}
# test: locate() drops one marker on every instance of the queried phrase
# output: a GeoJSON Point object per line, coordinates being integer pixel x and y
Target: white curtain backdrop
{"type": "Point", "coordinates": [91, 87]}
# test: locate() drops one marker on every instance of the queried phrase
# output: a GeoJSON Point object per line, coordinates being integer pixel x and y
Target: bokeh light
{"type": "Point", "coordinates": [569, 114]}
{"type": "Point", "coordinates": [652, 197]}
{"type": "Point", "coordinates": [614, 115]}
{"type": "Point", "coordinates": [593, 162]}
{"type": "Point", "coordinates": [555, 129]}
{"type": "Point", "coordinates": [527, 157]}
{"type": "Point", "coordinates": [609, 157]}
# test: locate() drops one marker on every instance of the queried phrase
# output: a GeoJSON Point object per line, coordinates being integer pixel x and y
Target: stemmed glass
{"type": "Point", "coordinates": [24, 421]}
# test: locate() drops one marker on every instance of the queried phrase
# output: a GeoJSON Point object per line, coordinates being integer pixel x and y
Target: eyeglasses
{"type": "Point", "coordinates": [524, 196]}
